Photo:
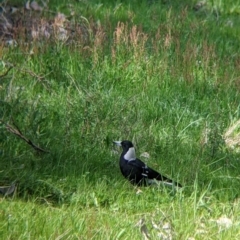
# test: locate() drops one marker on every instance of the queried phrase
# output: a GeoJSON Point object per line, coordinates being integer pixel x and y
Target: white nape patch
{"type": "Point", "coordinates": [130, 155]}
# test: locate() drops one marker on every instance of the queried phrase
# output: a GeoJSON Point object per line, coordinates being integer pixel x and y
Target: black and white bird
{"type": "Point", "coordinates": [136, 171]}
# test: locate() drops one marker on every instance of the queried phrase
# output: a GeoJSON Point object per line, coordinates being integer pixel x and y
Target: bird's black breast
{"type": "Point", "coordinates": [135, 171]}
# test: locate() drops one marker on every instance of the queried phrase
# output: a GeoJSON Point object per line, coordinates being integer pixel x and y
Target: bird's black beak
{"type": "Point", "coordinates": [118, 143]}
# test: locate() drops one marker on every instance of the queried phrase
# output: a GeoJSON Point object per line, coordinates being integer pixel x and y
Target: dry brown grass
{"type": "Point", "coordinates": [129, 39]}
{"type": "Point", "coordinates": [232, 136]}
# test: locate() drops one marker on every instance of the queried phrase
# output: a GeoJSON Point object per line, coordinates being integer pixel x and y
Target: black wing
{"type": "Point", "coordinates": [133, 170]}
{"type": "Point", "coordinates": [141, 172]}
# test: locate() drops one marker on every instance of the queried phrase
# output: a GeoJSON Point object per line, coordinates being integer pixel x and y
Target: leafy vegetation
{"type": "Point", "coordinates": [158, 73]}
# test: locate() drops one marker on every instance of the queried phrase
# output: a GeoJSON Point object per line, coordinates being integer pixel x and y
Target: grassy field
{"type": "Point", "coordinates": [164, 75]}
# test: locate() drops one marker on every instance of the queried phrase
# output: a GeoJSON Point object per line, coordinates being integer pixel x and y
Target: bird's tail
{"type": "Point", "coordinates": [168, 182]}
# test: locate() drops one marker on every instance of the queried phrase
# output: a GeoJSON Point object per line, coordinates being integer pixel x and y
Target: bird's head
{"type": "Point", "coordinates": [128, 149]}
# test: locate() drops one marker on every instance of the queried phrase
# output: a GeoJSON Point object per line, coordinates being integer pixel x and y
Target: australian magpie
{"type": "Point", "coordinates": [136, 171]}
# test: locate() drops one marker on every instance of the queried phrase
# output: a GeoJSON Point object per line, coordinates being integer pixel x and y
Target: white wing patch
{"type": "Point", "coordinates": [145, 171]}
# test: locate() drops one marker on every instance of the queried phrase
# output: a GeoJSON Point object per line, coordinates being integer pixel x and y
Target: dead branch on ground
{"type": "Point", "coordinates": [16, 131]}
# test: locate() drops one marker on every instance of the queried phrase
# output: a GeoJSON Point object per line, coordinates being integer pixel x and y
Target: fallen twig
{"type": "Point", "coordinates": [18, 133]}
{"type": "Point", "coordinates": [3, 75]}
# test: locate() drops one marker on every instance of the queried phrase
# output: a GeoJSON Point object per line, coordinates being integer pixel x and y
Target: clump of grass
{"type": "Point", "coordinates": [232, 137]}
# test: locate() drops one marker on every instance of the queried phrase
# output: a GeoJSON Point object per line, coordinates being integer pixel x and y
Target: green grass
{"type": "Point", "coordinates": [161, 75]}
